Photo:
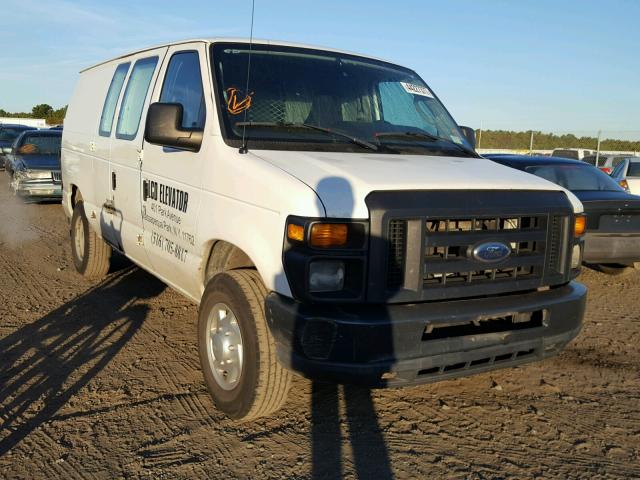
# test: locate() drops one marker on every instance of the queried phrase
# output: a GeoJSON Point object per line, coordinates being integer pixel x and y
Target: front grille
{"type": "Point", "coordinates": [449, 268]}
{"type": "Point", "coordinates": [56, 176]}
{"type": "Point", "coordinates": [422, 243]}
{"type": "Point", "coordinates": [448, 260]}
{"type": "Point", "coordinates": [397, 248]}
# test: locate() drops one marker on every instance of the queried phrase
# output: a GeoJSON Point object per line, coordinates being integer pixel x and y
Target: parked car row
{"type": "Point", "coordinates": [32, 162]}
{"type": "Point", "coordinates": [612, 239]}
{"type": "Point", "coordinates": [605, 162]}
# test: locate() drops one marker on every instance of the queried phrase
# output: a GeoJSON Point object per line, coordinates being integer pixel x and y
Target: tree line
{"type": "Point", "coordinates": [549, 141]}
{"type": "Point", "coordinates": [43, 110]}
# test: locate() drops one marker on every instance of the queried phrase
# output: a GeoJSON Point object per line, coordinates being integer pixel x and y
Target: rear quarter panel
{"type": "Point", "coordinates": [81, 163]}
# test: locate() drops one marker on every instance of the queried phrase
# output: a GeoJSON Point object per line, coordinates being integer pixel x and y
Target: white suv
{"type": "Point", "coordinates": [325, 212]}
{"type": "Point", "coordinates": [573, 153]}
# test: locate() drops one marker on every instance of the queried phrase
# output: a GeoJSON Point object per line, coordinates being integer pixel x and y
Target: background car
{"type": "Point", "coordinates": [606, 163]}
{"type": "Point", "coordinates": [612, 239]}
{"type": "Point", "coordinates": [34, 165]}
{"type": "Point", "coordinates": [8, 134]}
{"type": "Point", "coordinates": [627, 174]}
{"type": "Point", "coordinates": [573, 153]}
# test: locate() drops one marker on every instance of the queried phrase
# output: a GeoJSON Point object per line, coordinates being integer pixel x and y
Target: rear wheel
{"type": "Point", "coordinates": [91, 254]}
{"type": "Point", "coordinates": [237, 351]}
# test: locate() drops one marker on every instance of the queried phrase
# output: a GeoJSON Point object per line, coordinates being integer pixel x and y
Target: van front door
{"type": "Point", "coordinates": [123, 211]}
{"type": "Point", "coordinates": [172, 177]}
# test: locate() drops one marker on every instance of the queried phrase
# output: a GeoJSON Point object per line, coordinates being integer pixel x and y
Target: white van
{"type": "Point", "coordinates": [324, 210]}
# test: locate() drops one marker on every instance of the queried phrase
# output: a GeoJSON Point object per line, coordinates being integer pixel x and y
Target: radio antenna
{"type": "Point", "coordinates": [243, 148]}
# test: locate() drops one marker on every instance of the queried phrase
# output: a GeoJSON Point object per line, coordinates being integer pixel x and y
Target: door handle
{"type": "Point", "coordinates": [145, 190]}
{"type": "Point", "coordinates": [109, 207]}
{"type": "Point", "coordinates": [113, 180]}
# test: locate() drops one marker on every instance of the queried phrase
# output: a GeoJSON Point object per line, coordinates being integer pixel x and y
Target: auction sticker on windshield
{"type": "Point", "coordinates": [416, 89]}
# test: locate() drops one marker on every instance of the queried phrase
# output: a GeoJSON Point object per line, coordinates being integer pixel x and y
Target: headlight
{"type": "Point", "coordinates": [576, 256]}
{"type": "Point", "coordinates": [325, 259]}
{"type": "Point", "coordinates": [328, 235]}
{"type": "Point", "coordinates": [326, 276]}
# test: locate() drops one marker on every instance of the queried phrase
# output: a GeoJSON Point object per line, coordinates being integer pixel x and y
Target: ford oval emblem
{"type": "Point", "coordinates": [491, 252]}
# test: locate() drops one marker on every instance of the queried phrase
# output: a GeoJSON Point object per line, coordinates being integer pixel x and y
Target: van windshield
{"type": "Point", "coordinates": [303, 99]}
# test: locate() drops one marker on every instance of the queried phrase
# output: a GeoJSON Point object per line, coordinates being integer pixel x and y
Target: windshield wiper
{"type": "Point", "coordinates": [283, 125]}
{"type": "Point", "coordinates": [425, 136]}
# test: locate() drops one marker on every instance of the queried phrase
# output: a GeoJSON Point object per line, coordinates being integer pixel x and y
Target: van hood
{"type": "Point", "coordinates": [342, 181]}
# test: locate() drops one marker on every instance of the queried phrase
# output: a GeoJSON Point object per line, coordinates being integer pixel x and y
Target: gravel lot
{"type": "Point", "coordinates": [103, 381]}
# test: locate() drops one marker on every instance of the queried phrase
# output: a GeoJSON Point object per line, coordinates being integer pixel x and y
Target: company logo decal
{"type": "Point", "coordinates": [491, 252]}
{"type": "Point", "coordinates": [236, 106]}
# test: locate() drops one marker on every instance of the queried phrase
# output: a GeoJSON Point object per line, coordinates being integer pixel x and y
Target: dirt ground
{"type": "Point", "coordinates": [103, 381]}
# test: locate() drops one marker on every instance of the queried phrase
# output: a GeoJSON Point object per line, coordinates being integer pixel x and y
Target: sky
{"type": "Point", "coordinates": [549, 65]}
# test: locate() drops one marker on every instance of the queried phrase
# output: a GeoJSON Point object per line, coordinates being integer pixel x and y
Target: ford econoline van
{"type": "Point", "coordinates": [324, 210]}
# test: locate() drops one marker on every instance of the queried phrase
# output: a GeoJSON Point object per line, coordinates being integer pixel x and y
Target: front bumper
{"type": "Point", "coordinates": [623, 248]}
{"type": "Point", "coordinates": [385, 345]}
{"type": "Point", "coordinates": [37, 189]}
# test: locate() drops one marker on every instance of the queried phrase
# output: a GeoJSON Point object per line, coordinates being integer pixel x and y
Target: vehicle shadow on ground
{"type": "Point", "coordinates": [45, 363]}
{"type": "Point", "coordinates": [370, 454]}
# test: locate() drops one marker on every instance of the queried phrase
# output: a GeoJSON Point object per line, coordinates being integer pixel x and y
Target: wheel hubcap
{"type": "Point", "coordinates": [79, 239]}
{"type": "Point", "coordinates": [224, 348]}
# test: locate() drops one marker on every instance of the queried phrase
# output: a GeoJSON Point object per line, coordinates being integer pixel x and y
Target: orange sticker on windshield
{"type": "Point", "coordinates": [233, 105]}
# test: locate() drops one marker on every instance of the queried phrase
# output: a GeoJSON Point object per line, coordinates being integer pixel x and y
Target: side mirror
{"type": "Point", "coordinates": [164, 127]}
{"type": "Point", "coordinates": [470, 135]}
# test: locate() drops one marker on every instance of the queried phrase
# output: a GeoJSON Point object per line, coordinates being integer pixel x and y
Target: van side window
{"type": "Point", "coordinates": [109, 107]}
{"type": "Point", "coordinates": [134, 97]}
{"type": "Point", "coordinates": [183, 84]}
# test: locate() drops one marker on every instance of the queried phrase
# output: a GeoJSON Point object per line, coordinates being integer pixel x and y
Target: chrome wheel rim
{"type": "Point", "coordinates": [224, 346]}
{"type": "Point", "coordinates": [79, 238]}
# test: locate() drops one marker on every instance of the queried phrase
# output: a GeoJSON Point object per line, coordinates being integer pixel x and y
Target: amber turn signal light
{"type": "Point", "coordinates": [327, 235]}
{"type": "Point", "coordinates": [623, 183]}
{"type": "Point", "coordinates": [580, 225]}
{"type": "Point", "coordinates": [295, 232]}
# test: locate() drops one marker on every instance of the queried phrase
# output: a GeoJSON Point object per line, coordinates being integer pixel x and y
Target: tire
{"type": "Point", "coordinates": [615, 269]}
{"type": "Point", "coordinates": [260, 385]}
{"type": "Point", "coordinates": [91, 254]}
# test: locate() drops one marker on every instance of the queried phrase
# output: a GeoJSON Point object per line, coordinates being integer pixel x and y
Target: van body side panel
{"type": "Point", "coordinates": [83, 164]}
{"type": "Point", "coordinates": [247, 204]}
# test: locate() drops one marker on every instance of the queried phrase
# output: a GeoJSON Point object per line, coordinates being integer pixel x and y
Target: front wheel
{"type": "Point", "coordinates": [237, 351]}
{"type": "Point", "coordinates": [91, 254]}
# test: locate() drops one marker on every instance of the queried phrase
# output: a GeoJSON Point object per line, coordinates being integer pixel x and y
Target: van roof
{"type": "Point", "coordinates": [235, 40]}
